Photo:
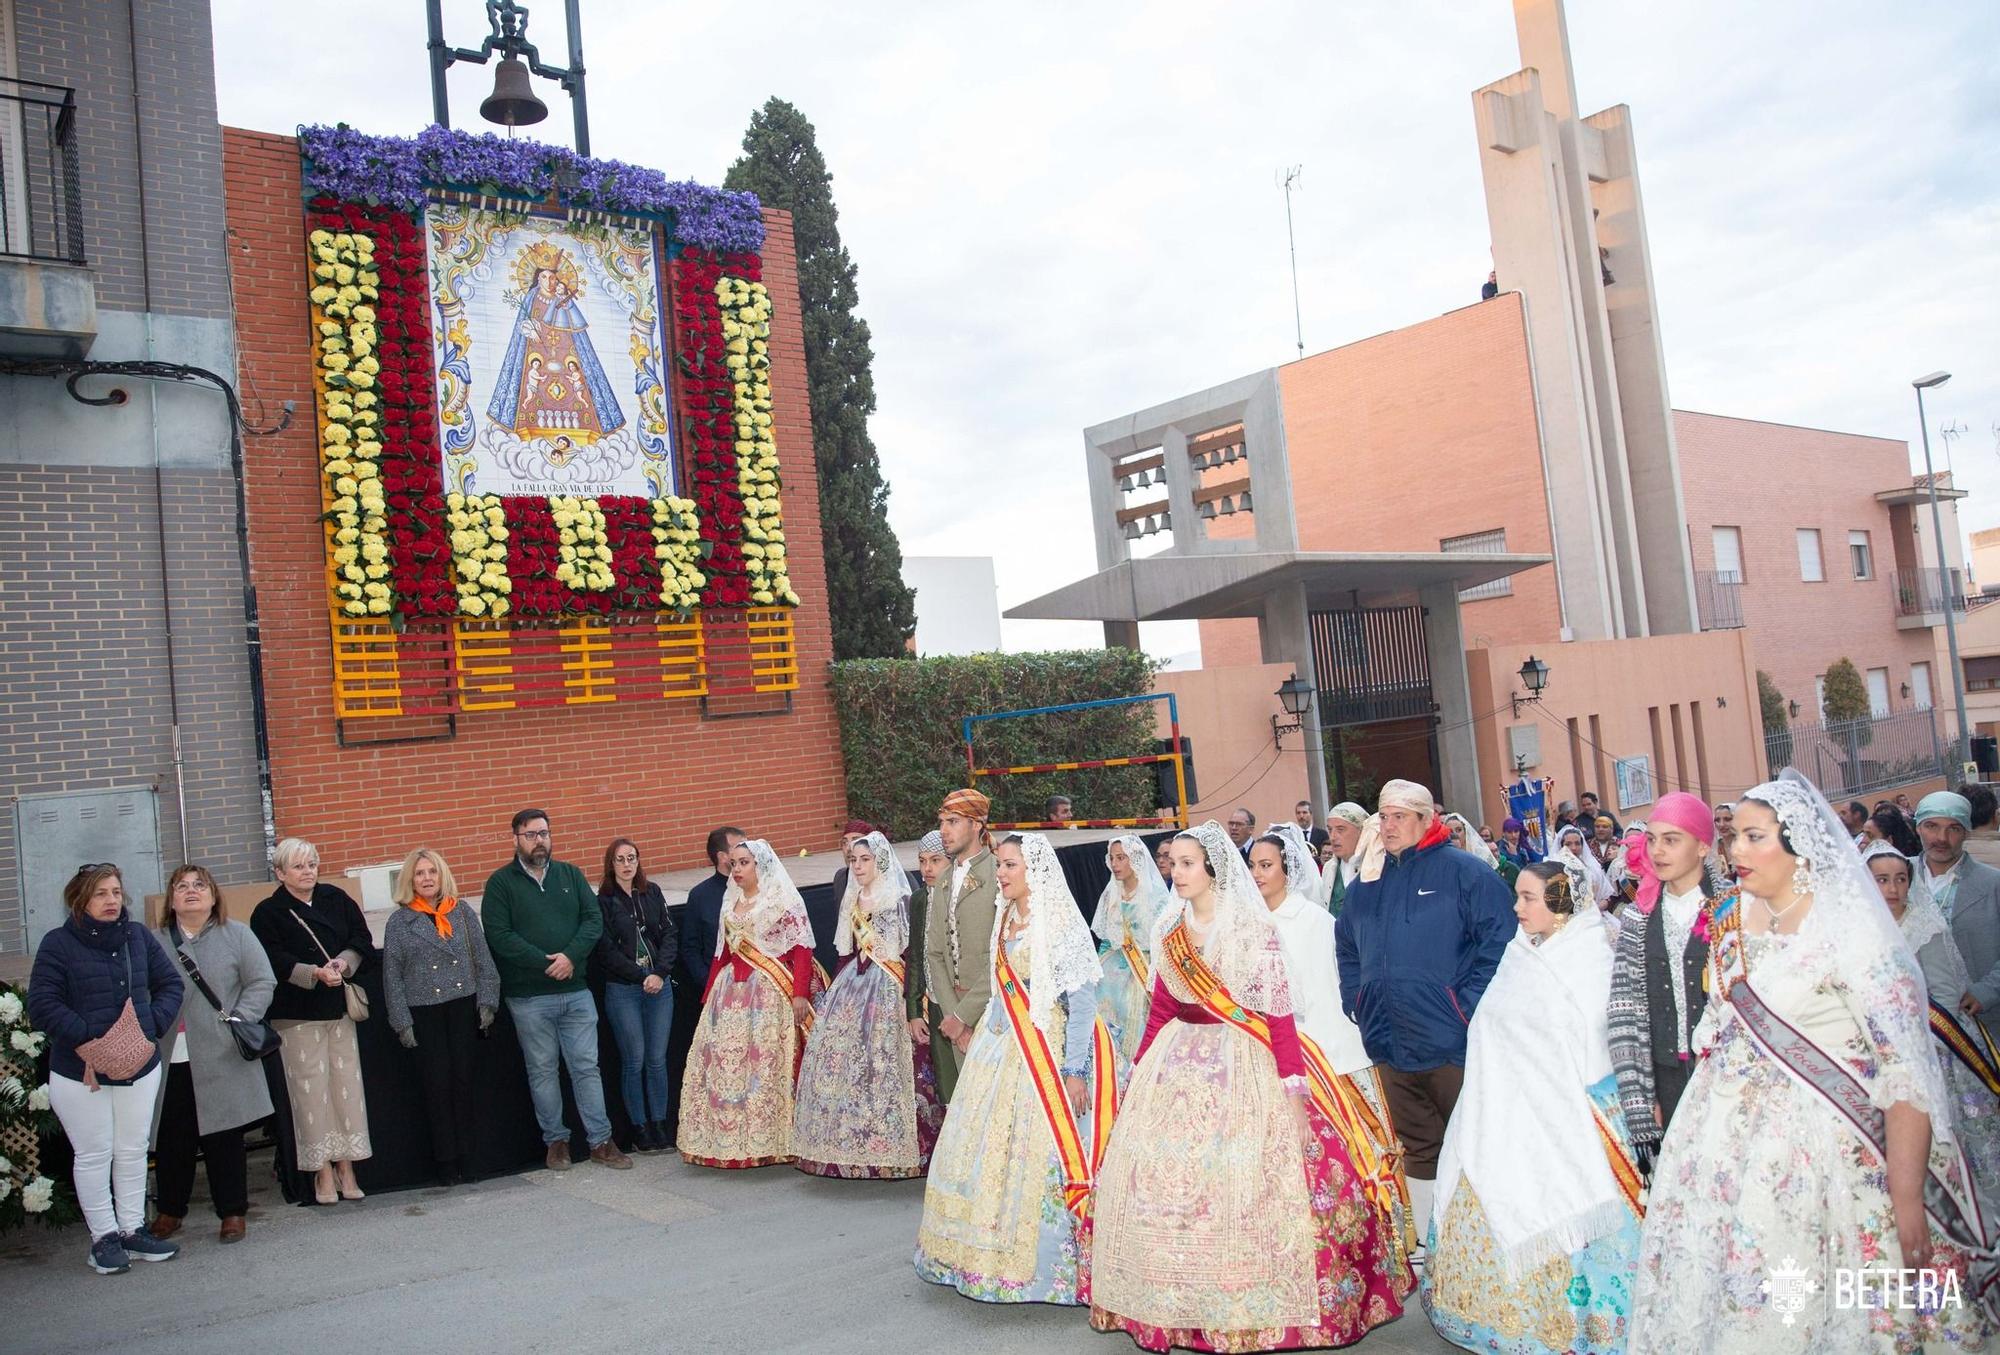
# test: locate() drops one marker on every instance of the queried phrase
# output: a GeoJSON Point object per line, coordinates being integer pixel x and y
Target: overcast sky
{"type": "Point", "coordinates": [1064, 213]}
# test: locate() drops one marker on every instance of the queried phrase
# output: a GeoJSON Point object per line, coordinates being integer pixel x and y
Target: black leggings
{"type": "Point", "coordinates": [228, 1178]}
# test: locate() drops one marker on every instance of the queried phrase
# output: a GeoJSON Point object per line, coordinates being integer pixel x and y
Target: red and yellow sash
{"type": "Point", "coordinates": [1137, 959]}
{"type": "Point", "coordinates": [1079, 1164]}
{"type": "Point", "coordinates": [1380, 1170]}
{"type": "Point", "coordinates": [1623, 1170]}
{"type": "Point", "coordinates": [1984, 1064]}
{"type": "Point", "coordinates": [779, 975]}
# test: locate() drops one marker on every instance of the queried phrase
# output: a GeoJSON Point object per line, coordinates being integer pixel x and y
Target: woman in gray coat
{"type": "Point", "coordinates": [212, 1092]}
{"type": "Point", "coordinates": [443, 990]}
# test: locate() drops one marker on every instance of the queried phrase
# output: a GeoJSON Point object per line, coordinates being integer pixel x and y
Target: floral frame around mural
{"type": "Point", "coordinates": [523, 360]}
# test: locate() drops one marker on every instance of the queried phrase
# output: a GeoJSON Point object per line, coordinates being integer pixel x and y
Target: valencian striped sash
{"type": "Point", "coordinates": [1079, 1161]}
{"type": "Point", "coordinates": [1136, 958]}
{"type": "Point", "coordinates": [1381, 1172]}
{"type": "Point", "coordinates": [779, 975]}
{"type": "Point", "coordinates": [1984, 1063]}
{"type": "Point", "coordinates": [1952, 1205]}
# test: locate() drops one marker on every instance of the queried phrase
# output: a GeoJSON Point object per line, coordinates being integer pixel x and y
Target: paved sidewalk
{"type": "Point", "coordinates": [665, 1257]}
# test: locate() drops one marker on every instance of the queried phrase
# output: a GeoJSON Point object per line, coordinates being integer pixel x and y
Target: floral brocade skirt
{"type": "Point", "coordinates": [736, 1095]}
{"type": "Point", "coordinates": [1578, 1304]}
{"type": "Point", "coordinates": [867, 1100]}
{"type": "Point", "coordinates": [995, 1227]}
{"type": "Point", "coordinates": [1216, 1229]}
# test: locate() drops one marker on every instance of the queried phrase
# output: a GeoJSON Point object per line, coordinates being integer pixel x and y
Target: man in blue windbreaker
{"type": "Point", "coordinates": [1422, 931]}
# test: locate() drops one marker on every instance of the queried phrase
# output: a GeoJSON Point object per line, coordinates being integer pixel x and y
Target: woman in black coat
{"type": "Point", "coordinates": [86, 972]}
{"type": "Point", "coordinates": [635, 955]}
{"type": "Point", "coordinates": [317, 939]}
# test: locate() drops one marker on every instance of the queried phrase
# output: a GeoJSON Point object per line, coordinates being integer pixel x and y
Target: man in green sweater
{"type": "Point", "coordinates": [541, 921]}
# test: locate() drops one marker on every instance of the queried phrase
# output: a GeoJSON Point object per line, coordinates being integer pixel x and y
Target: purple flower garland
{"type": "Point", "coordinates": [353, 166]}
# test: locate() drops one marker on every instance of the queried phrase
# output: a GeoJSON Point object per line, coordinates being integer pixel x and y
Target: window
{"type": "Point", "coordinates": [1878, 692]}
{"type": "Point", "coordinates": [1480, 543]}
{"type": "Point", "coordinates": [1728, 554]}
{"type": "Point", "coordinates": [1819, 697]}
{"type": "Point", "coordinates": [1920, 686]}
{"type": "Point", "coordinates": [1811, 569]}
{"type": "Point", "coordinates": [1862, 557]}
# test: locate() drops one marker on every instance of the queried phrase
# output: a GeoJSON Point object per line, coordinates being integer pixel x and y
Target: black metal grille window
{"type": "Point", "coordinates": [1719, 596]}
{"type": "Point", "coordinates": [41, 197]}
{"type": "Point", "coordinates": [1372, 664]}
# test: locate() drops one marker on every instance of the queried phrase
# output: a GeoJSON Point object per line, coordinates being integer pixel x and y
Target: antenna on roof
{"type": "Point", "coordinates": [1950, 432]}
{"type": "Point", "coordinates": [1289, 177]}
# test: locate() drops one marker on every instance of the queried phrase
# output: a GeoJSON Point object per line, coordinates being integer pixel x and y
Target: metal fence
{"type": "Point", "coordinates": [41, 197]}
{"type": "Point", "coordinates": [1849, 758]}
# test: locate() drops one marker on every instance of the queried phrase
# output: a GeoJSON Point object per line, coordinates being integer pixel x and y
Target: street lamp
{"type": "Point", "coordinates": [513, 102]}
{"type": "Point", "coordinates": [1296, 697]}
{"type": "Point", "coordinates": [1534, 676]}
{"type": "Point", "coordinates": [1922, 384]}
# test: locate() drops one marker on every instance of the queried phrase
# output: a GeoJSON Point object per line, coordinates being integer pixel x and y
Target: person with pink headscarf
{"type": "Point", "coordinates": [1656, 975]}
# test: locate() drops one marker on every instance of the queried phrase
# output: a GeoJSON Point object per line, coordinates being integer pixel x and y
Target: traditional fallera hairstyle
{"type": "Point", "coordinates": [1242, 944]}
{"type": "Point", "coordinates": [1558, 894]}
{"type": "Point", "coordinates": [1062, 955]}
{"type": "Point", "coordinates": [778, 923]}
{"type": "Point", "coordinates": [1153, 895]}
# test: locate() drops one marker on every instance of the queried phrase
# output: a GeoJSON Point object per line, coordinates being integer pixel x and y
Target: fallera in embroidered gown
{"type": "Point", "coordinates": [867, 1103]}
{"type": "Point", "coordinates": [737, 1091]}
{"type": "Point", "coordinates": [995, 1224]}
{"type": "Point", "coordinates": [1216, 1227]}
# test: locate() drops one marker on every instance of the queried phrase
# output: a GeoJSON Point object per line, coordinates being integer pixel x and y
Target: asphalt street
{"type": "Point", "coordinates": [664, 1257]}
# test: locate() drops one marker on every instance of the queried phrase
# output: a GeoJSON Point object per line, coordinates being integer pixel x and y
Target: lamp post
{"type": "Point", "coordinates": [1534, 676]}
{"type": "Point", "coordinates": [513, 102]}
{"type": "Point", "coordinates": [1922, 384]}
{"type": "Point", "coordinates": [1296, 697]}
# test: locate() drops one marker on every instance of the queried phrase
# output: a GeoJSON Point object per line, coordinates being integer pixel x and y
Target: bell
{"type": "Point", "coordinates": [1243, 504]}
{"type": "Point", "coordinates": [513, 102]}
{"type": "Point", "coordinates": [1208, 510]}
{"type": "Point", "coordinates": [1132, 530]}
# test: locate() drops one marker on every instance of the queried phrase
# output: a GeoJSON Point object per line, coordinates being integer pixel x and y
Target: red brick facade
{"type": "Point", "coordinates": [652, 770]}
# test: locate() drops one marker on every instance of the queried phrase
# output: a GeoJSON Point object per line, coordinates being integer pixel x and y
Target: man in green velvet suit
{"type": "Point", "coordinates": [958, 933]}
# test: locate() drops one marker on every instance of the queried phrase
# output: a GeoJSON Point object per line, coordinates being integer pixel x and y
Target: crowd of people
{"type": "Point", "coordinates": [1647, 1087]}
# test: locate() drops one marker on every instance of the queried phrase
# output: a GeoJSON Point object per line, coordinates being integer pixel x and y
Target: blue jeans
{"type": "Point", "coordinates": [642, 1022]}
{"type": "Point", "coordinates": [561, 1027]}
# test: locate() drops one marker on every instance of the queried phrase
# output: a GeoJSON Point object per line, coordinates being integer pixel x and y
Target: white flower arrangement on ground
{"type": "Point", "coordinates": [25, 1117]}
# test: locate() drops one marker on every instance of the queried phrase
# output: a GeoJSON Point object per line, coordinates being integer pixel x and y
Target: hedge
{"type": "Point", "coordinates": [900, 733]}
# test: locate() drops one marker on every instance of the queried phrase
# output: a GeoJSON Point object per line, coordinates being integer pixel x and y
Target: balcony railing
{"type": "Point", "coordinates": [1849, 758]}
{"type": "Point", "coordinates": [1920, 592]}
{"type": "Point", "coordinates": [1719, 597]}
{"type": "Point", "coordinates": [41, 196]}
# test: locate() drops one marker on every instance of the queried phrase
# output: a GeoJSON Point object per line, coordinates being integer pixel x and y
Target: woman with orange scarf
{"type": "Point", "coordinates": [442, 990]}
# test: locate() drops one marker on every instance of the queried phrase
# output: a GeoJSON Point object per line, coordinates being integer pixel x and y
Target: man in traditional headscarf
{"type": "Point", "coordinates": [958, 932]}
{"type": "Point", "coordinates": [1967, 892]}
{"type": "Point", "coordinates": [1343, 832]}
{"type": "Point", "coordinates": [1656, 976]}
{"type": "Point", "coordinates": [1423, 930]}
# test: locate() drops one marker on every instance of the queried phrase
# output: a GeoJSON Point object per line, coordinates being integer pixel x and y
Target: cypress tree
{"type": "Point", "coordinates": [873, 611]}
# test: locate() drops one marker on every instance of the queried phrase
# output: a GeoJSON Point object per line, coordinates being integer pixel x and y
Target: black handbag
{"type": "Point", "coordinates": [254, 1039]}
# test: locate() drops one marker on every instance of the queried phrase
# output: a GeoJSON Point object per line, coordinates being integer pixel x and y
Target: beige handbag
{"type": "Point", "coordinates": [119, 1053]}
{"type": "Point", "coordinates": [357, 1001]}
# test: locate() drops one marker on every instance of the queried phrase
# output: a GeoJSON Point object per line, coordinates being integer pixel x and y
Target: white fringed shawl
{"type": "Point", "coordinates": [1523, 1132]}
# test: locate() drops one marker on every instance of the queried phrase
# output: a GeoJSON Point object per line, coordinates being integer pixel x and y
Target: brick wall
{"type": "Point", "coordinates": [93, 47]}
{"type": "Point", "coordinates": [652, 770]}
{"type": "Point", "coordinates": [1401, 441]}
{"type": "Point", "coordinates": [83, 641]}
{"type": "Point", "coordinates": [1768, 480]}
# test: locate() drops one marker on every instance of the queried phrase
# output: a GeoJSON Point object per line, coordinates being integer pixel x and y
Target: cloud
{"type": "Point", "coordinates": [1064, 213]}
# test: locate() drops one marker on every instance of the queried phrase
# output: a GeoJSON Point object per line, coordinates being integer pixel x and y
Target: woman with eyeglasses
{"type": "Point", "coordinates": [105, 993]}
{"type": "Point", "coordinates": [317, 941]}
{"type": "Point", "coordinates": [212, 1092]}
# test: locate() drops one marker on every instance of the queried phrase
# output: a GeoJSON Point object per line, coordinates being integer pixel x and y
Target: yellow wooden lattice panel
{"type": "Point", "coordinates": [683, 650]}
{"type": "Point", "coordinates": [366, 679]}
{"type": "Point", "coordinates": [483, 653]}
{"type": "Point", "coordinates": [586, 651]}
{"type": "Point", "coordinates": [774, 655]}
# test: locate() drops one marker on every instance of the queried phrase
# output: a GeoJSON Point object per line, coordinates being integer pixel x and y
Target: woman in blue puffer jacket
{"type": "Point", "coordinates": [85, 972]}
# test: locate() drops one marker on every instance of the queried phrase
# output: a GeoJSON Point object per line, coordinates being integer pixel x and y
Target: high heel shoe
{"type": "Point", "coordinates": [351, 1193]}
{"type": "Point", "coordinates": [325, 1196]}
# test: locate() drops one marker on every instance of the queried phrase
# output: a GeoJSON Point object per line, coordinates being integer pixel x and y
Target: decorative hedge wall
{"type": "Point", "coordinates": [900, 733]}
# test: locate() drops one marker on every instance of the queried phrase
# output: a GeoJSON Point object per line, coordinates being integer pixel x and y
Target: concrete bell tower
{"type": "Point", "coordinates": [1569, 234]}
